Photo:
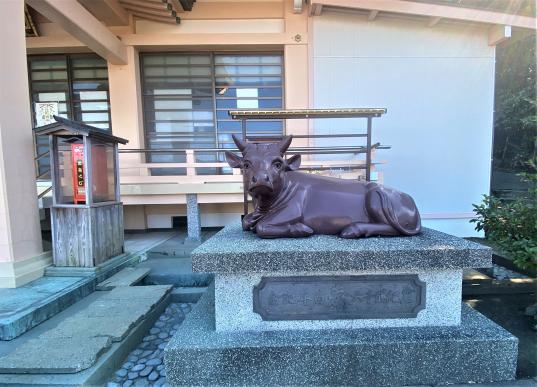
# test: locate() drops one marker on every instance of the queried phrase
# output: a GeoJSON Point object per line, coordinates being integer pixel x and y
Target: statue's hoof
{"type": "Point", "coordinates": [352, 231]}
{"type": "Point", "coordinates": [300, 230]}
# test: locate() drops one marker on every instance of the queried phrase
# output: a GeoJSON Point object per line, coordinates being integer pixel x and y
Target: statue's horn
{"type": "Point", "coordinates": [240, 143]}
{"type": "Point", "coordinates": [284, 144]}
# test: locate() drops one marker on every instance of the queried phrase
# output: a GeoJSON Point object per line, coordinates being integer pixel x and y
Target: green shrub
{"type": "Point", "coordinates": [512, 225]}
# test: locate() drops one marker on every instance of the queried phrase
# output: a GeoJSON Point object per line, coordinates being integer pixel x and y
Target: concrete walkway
{"type": "Point", "coordinates": [27, 306]}
{"type": "Point", "coordinates": [78, 341]}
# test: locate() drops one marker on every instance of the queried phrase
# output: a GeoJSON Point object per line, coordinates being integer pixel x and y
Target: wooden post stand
{"type": "Point", "coordinates": [87, 215]}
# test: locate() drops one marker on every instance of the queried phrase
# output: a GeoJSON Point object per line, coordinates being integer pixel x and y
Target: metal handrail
{"type": "Point", "coordinates": [41, 155]}
{"type": "Point", "coordinates": [38, 177]}
{"type": "Point", "coordinates": [302, 150]}
{"type": "Point", "coordinates": [39, 196]}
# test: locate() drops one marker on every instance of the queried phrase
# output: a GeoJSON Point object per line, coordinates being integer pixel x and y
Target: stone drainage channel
{"type": "Point", "coordinates": [145, 365]}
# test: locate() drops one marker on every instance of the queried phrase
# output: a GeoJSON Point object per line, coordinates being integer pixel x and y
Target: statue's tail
{"type": "Point", "coordinates": [400, 211]}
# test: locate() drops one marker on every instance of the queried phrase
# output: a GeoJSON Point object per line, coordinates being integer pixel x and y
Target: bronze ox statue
{"type": "Point", "coordinates": [294, 204]}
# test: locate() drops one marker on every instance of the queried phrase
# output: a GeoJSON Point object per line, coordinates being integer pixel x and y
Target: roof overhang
{"type": "Point", "coordinates": [435, 12]}
{"type": "Point", "coordinates": [67, 127]}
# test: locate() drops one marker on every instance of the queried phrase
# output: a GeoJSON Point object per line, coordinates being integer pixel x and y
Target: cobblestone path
{"type": "Point", "coordinates": [144, 366]}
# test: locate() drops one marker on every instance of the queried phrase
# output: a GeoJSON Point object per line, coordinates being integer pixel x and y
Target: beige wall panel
{"type": "Point", "coordinates": [162, 209]}
{"type": "Point", "coordinates": [296, 88]}
{"type": "Point", "coordinates": [222, 207]}
{"type": "Point", "coordinates": [51, 29]}
{"type": "Point", "coordinates": [126, 109]}
{"type": "Point", "coordinates": [134, 217]}
{"type": "Point", "coordinates": [295, 22]}
{"type": "Point", "coordinates": [211, 26]}
{"type": "Point", "coordinates": [19, 225]}
{"type": "Point", "coordinates": [210, 41]}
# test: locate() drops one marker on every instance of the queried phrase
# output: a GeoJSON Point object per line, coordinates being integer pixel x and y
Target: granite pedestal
{"type": "Point", "coordinates": [330, 311]}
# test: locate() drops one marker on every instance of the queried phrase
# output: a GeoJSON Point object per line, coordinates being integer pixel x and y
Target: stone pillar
{"type": "Point", "coordinates": [20, 233]}
{"type": "Point", "coordinates": [193, 218]}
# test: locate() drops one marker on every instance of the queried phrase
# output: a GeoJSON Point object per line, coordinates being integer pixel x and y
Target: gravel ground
{"type": "Point", "coordinates": [144, 366]}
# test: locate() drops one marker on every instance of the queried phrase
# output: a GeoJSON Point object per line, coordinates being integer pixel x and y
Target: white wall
{"type": "Point", "coordinates": [437, 84]}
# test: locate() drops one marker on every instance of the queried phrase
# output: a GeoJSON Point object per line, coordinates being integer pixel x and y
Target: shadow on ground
{"type": "Point", "coordinates": [170, 262]}
{"type": "Point", "coordinates": [507, 310]}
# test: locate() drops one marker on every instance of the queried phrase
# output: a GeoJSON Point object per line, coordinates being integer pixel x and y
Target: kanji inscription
{"type": "Point", "coordinates": [339, 297]}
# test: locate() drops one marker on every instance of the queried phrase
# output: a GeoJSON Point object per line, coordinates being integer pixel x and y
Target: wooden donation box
{"type": "Point", "coordinates": [87, 215]}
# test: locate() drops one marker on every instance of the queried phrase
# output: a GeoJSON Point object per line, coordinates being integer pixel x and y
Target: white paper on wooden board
{"type": "Point", "coordinates": [45, 112]}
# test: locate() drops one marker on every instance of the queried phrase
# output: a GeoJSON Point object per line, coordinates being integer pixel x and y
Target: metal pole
{"type": "Point", "coordinates": [244, 193]}
{"type": "Point", "coordinates": [368, 150]}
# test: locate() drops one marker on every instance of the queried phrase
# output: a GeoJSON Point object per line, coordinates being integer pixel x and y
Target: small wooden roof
{"type": "Point", "coordinates": [66, 127]}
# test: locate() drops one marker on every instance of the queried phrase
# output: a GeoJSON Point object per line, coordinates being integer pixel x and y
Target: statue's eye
{"type": "Point", "coordinates": [277, 164]}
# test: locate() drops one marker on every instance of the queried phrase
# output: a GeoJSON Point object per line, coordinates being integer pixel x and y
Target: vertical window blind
{"type": "Point", "coordinates": [186, 97]}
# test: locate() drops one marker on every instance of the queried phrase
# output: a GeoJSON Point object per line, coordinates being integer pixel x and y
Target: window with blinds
{"type": "Point", "coordinates": [186, 97]}
{"type": "Point", "coordinates": [78, 83]}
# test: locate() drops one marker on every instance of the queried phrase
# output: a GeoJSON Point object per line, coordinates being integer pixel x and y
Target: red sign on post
{"type": "Point", "coordinates": [79, 185]}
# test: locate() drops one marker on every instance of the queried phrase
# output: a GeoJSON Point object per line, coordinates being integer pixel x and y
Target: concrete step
{"type": "Point", "coordinates": [126, 277]}
{"type": "Point", "coordinates": [174, 271]}
{"type": "Point", "coordinates": [23, 308]}
{"type": "Point", "coordinates": [187, 294]}
{"type": "Point", "coordinates": [77, 342]}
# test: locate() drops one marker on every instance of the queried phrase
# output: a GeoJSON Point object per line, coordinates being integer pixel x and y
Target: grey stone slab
{"type": "Point", "coordinates": [126, 306]}
{"type": "Point", "coordinates": [115, 327]}
{"type": "Point", "coordinates": [511, 383]}
{"type": "Point", "coordinates": [235, 251]}
{"type": "Point", "coordinates": [99, 373]}
{"type": "Point", "coordinates": [153, 292]}
{"type": "Point", "coordinates": [23, 308]}
{"type": "Point", "coordinates": [478, 351]}
{"type": "Point", "coordinates": [126, 277]}
{"type": "Point", "coordinates": [57, 355]}
{"type": "Point", "coordinates": [108, 308]}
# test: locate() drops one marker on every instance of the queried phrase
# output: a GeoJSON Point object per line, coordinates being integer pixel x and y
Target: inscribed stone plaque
{"type": "Point", "coordinates": [339, 297]}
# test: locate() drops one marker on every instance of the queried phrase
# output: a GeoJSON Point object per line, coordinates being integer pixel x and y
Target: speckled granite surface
{"type": "Point", "coordinates": [478, 351]}
{"type": "Point", "coordinates": [233, 305]}
{"type": "Point", "coordinates": [235, 251]}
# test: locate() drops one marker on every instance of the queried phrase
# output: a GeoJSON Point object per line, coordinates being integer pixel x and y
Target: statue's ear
{"type": "Point", "coordinates": [233, 160]}
{"type": "Point", "coordinates": [293, 163]}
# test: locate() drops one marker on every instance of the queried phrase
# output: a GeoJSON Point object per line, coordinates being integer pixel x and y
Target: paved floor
{"type": "Point", "coordinates": [136, 242]}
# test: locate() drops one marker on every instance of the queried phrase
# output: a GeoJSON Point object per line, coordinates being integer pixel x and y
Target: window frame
{"type": "Point", "coordinates": [71, 98]}
{"type": "Point", "coordinates": [212, 54]}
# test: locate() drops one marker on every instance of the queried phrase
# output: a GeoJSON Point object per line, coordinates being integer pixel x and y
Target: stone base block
{"type": "Point", "coordinates": [233, 302]}
{"type": "Point", "coordinates": [478, 350]}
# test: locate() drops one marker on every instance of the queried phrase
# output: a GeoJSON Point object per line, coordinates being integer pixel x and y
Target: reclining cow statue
{"type": "Point", "coordinates": [288, 203]}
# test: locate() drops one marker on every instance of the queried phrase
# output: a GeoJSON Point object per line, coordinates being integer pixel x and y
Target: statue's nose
{"type": "Point", "coordinates": [264, 177]}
